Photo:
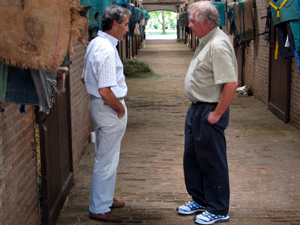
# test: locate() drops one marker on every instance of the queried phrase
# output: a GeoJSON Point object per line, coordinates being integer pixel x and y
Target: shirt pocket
{"type": "Point", "coordinates": [202, 68]}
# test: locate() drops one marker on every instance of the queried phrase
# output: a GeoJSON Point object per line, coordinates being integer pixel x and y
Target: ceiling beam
{"type": "Point", "coordinates": [162, 2]}
{"type": "Point", "coordinates": [155, 5]}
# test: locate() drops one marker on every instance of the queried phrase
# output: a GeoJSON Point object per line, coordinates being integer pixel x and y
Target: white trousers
{"type": "Point", "coordinates": [109, 131]}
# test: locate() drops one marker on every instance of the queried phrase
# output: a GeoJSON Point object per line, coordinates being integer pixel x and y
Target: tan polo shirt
{"type": "Point", "coordinates": [214, 63]}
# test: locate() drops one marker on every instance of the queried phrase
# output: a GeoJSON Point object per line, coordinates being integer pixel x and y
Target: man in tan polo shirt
{"type": "Point", "coordinates": [210, 85]}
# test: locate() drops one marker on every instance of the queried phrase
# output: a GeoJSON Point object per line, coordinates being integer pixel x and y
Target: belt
{"type": "Point", "coordinates": [198, 103]}
{"type": "Point", "coordinates": [93, 97]}
{"type": "Point", "coordinates": [120, 99]}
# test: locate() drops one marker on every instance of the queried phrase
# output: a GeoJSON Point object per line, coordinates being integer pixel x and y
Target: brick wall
{"type": "Point", "coordinates": [19, 195]}
{"type": "Point", "coordinates": [295, 95]}
{"type": "Point", "coordinates": [257, 56]}
{"type": "Point", "coordinates": [124, 48]}
{"type": "Point", "coordinates": [256, 65]}
{"type": "Point", "coordinates": [19, 199]}
{"type": "Point", "coordinates": [256, 68]}
{"type": "Point", "coordinates": [80, 117]}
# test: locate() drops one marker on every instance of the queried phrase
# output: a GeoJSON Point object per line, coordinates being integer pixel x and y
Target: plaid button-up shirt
{"type": "Point", "coordinates": [103, 66]}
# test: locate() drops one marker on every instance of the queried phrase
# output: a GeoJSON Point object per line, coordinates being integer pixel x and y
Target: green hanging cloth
{"type": "Point", "coordinates": [3, 81]}
{"type": "Point", "coordinates": [221, 8]}
{"type": "Point", "coordinates": [284, 10]}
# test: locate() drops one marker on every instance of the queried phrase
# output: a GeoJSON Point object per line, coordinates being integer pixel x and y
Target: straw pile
{"type": "Point", "coordinates": [138, 69]}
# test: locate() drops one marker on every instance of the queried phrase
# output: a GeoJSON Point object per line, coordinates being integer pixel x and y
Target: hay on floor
{"type": "Point", "coordinates": [138, 69]}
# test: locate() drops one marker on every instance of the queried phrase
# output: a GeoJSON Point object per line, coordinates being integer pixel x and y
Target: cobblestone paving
{"type": "Point", "coordinates": [263, 154]}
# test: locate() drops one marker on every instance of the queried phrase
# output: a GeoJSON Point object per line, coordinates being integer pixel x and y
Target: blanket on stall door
{"type": "Point", "coordinates": [242, 20]}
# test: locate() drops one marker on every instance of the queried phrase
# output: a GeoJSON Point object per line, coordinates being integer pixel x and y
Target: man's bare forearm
{"type": "Point", "coordinates": [226, 98]}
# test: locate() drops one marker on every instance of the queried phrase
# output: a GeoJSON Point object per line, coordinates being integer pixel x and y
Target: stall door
{"type": "Point", "coordinates": [240, 56]}
{"type": "Point", "coordinates": [279, 81]}
{"type": "Point", "coordinates": [56, 156]}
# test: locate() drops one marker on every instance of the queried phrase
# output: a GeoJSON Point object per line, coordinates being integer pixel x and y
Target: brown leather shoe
{"type": "Point", "coordinates": [108, 217]}
{"type": "Point", "coordinates": [117, 204]}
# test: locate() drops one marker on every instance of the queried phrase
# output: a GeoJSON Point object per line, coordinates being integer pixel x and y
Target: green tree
{"type": "Point", "coordinates": [162, 19]}
{"type": "Point", "coordinates": [159, 16]}
{"type": "Point", "coordinates": [171, 18]}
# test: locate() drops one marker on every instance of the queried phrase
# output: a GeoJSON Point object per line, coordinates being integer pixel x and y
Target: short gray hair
{"type": "Point", "coordinates": [206, 9]}
{"type": "Point", "coordinates": [112, 13]}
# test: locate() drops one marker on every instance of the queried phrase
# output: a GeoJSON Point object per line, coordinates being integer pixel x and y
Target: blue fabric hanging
{"type": "Point", "coordinates": [221, 8]}
{"type": "Point", "coordinates": [146, 14]}
{"type": "Point", "coordinates": [87, 4]}
{"type": "Point", "coordinates": [231, 18]}
{"type": "Point", "coordinates": [298, 6]}
{"type": "Point", "coordinates": [125, 4]}
{"type": "Point", "coordinates": [288, 11]}
{"type": "Point", "coordinates": [295, 26]}
{"type": "Point", "coordinates": [297, 57]}
{"type": "Point", "coordinates": [20, 87]}
{"type": "Point", "coordinates": [138, 14]}
{"type": "Point", "coordinates": [96, 11]}
{"type": "Point", "coordinates": [31, 87]}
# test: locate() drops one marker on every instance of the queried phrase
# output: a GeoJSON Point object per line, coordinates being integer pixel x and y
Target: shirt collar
{"type": "Point", "coordinates": [113, 40]}
{"type": "Point", "coordinates": [206, 38]}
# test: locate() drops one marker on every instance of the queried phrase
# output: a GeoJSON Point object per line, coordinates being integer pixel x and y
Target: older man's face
{"type": "Point", "coordinates": [198, 27]}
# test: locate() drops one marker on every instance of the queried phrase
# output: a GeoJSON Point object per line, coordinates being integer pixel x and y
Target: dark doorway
{"type": "Point", "coordinates": [279, 81]}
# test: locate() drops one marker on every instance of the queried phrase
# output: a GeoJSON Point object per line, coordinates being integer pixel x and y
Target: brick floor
{"type": "Point", "coordinates": [263, 154]}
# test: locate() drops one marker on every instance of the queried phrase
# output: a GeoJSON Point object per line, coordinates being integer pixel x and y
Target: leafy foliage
{"type": "Point", "coordinates": [162, 20]}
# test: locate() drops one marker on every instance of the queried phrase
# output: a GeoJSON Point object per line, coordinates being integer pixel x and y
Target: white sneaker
{"type": "Point", "coordinates": [190, 208]}
{"type": "Point", "coordinates": [209, 218]}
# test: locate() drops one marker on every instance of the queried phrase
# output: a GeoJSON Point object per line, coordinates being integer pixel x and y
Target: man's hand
{"type": "Point", "coordinates": [213, 117]}
{"type": "Point", "coordinates": [111, 100]}
{"type": "Point", "coordinates": [226, 98]}
{"type": "Point", "coordinates": [121, 114]}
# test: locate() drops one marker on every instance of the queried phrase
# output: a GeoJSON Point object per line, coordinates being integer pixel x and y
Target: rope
{"type": "Point", "coordinates": [276, 50]}
{"type": "Point", "coordinates": [232, 20]}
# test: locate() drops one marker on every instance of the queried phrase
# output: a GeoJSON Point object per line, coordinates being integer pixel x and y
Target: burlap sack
{"type": "Point", "coordinates": [34, 33]}
{"type": "Point", "coordinates": [79, 25]}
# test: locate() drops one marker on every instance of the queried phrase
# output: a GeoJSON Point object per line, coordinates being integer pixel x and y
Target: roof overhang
{"type": "Point", "coordinates": [168, 5]}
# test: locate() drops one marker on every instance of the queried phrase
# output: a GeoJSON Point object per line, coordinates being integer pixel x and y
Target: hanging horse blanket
{"type": "Point", "coordinates": [138, 14]}
{"type": "Point", "coordinates": [286, 10]}
{"type": "Point", "coordinates": [221, 8]}
{"type": "Point", "coordinates": [284, 34]}
{"type": "Point", "coordinates": [243, 19]}
{"type": "Point", "coordinates": [31, 87]}
{"type": "Point", "coordinates": [283, 11]}
{"type": "Point", "coordinates": [34, 33]}
{"type": "Point", "coordinates": [295, 26]}
{"type": "Point", "coordinates": [96, 11]}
